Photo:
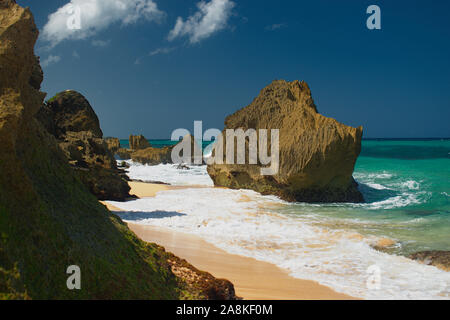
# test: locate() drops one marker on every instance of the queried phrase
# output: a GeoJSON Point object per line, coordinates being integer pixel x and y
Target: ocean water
{"type": "Point", "coordinates": [406, 184]}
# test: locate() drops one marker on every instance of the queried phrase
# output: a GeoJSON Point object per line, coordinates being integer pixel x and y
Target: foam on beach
{"type": "Point", "coordinates": [169, 173]}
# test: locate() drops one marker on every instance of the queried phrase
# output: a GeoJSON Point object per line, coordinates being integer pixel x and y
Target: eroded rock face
{"type": "Point", "coordinates": [71, 120]}
{"type": "Point", "coordinates": [138, 142]}
{"type": "Point", "coordinates": [439, 259]}
{"type": "Point", "coordinates": [317, 154]}
{"type": "Point", "coordinates": [124, 154]}
{"type": "Point", "coordinates": [70, 111]}
{"type": "Point", "coordinates": [113, 144]}
{"type": "Point", "coordinates": [153, 156]}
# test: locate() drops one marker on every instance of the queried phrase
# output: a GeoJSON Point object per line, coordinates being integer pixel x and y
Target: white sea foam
{"type": "Point", "coordinates": [411, 184]}
{"type": "Point", "coordinates": [169, 173]}
{"type": "Point", "coordinates": [405, 192]}
{"type": "Point", "coordinates": [377, 186]}
{"type": "Point", "coordinates": [381, 175]}
{"type": "Point", "coordinates": [246, 223]}
{"type": "Point", "coordinates": [403, 200]}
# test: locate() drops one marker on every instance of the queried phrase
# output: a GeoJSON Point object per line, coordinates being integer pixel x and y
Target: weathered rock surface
{"type": "Point", "coordinates": [69, 111]}
{"type": "Point", "coordinates": [113, 144]}
{"type": "Point", "coordinates": [153, 156]}
{"type": "Point", "coordinates": [49, 221]}
{"type": "Point", "coordinates": [138, 142]}
{"type": "Point", "coordinates": [124, 154]}
{"type": "Point", "coordinates": [317, 154]}
{"type": "Point", "coordinates": [439, 259]}
{"type": "Point", "coordinates": [84, 147]}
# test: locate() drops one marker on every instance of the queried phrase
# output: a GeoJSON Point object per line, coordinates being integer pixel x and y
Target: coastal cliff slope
{"type": "Point", "coordinates": [317, 154]}
{"type": "Point", "coordinates": [48, 218]}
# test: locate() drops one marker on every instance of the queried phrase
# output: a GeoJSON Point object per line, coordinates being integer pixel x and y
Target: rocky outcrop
{"type": "Point", "coordinates": [206, 286]}
{"type": "Point", "coordinates": [113, 144]}
{"type": "Point", "coordinates": [69, 117]}
{"type": "Point", "coordinates": [153, 156]}
{"type": "Point", "coordinates": [69, 111]}
{"type": "Point", "coordinates": [317, 154]}
{"type": "Point", "coordinates": [439, 259]}
{"type": "Point", "coordinates": [49, 221]}
{"type": "Point", "coordinates": [138, 142]}
{"type": "Point", "coordinates": [124, 154]}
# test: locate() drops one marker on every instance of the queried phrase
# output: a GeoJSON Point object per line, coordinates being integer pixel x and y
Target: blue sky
{"type": "Point", "coordinates": [143, 75]}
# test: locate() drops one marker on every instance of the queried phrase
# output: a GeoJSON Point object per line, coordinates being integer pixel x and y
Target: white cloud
{"type": "Point", "coordinates": [51, 59]}
{"type": "Point", "coordinates": [161, 51]}
{"type": "Point", "coordinates": [80, 19]}
{"type": "Point", "coordinates": [101, 43]}
{"type": "Point", "coordinates": [210, 18]}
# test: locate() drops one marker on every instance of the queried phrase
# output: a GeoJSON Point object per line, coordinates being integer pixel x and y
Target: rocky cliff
{"type": "Point", "coordinates": [317, 154]}
{"type": "Point", "coordinates": [49, 220]}
{"type": "Point", "coordinates": [69, 117]}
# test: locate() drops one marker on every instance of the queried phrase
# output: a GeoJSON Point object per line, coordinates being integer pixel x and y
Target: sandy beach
{"type": "Point", "coordinates": [253, 279]}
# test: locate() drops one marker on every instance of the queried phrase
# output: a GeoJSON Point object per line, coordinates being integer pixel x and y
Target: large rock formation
{"type": "Point", "coordinates": [138, 142]}
{"type": "Point", "coordinates": [70, 118]}
{"type": "Point", "coordinates": [48, 219]}
{"type": "Point", "coordinates": [316, 154]}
